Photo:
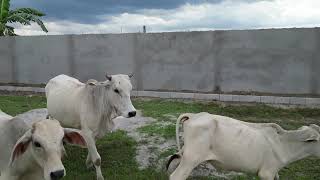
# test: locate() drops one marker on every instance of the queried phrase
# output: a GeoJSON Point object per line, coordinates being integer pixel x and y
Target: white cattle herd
{"type": "Point", "coordinates": [32, 144]}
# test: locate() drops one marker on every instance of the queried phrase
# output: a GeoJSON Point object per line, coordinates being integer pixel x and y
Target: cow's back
{"type": "Point", "coordinates": [236, 144]}
{"type": "Point", "coordinates": [62, 82]}
{"type": "Point", "coordinates": [4, 116]}
{"type": "Point", "coordinates": [64, 99]}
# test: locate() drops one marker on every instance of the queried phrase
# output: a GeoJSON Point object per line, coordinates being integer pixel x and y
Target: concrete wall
{"type": "Point", "coordinates": [277, 61]}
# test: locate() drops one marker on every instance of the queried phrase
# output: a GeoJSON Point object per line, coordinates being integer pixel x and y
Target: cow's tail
{"type": "Point", "coordinates": [181, 118]}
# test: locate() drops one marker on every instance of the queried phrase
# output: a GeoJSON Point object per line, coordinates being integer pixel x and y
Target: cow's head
{"type": "Point", "coordinates": [307, 139]}
{"type": "Point", "coordinates": [120, 87]}
{"type": "Point", "coordinates": [44, 143]}
{"type": "Point", "coordinates": [314, 140]}
{"type": "Point", "coordinates": [117, 91]}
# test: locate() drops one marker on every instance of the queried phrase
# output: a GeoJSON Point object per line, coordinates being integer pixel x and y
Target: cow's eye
{"type": "Point", "coordinates": [116, 91]}
{"type": "Point", "coordinates": [37, 144]}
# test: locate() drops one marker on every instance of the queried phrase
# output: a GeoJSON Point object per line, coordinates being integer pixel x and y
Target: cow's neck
{"type": "Point", "coordinates": [100, 103]}
{"type": "Point", "coordinates": [295, 150]}
{"type": "Point", "coordinates": [103, 110]}
{"type": "Point", "coordinates": [105, 121]}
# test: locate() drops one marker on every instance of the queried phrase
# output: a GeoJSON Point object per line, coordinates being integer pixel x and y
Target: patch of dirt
{"type": "Point", "coordinates": [147, 146]}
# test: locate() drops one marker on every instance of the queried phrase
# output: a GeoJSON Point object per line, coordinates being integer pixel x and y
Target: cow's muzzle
{"type": "Point", "coordinates": [56, 175]}
{"type": "Point", "coordinates": [132, 114]}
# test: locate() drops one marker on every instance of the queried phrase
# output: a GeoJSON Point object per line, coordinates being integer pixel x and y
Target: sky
{"type": "Point", "coordinates": [128, 16]}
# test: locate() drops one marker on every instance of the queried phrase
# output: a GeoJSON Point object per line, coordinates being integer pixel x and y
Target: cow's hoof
{"type": "Point", "coordinates": [90, 166]}
{"type": "Point", "coordinates": [97, 162]}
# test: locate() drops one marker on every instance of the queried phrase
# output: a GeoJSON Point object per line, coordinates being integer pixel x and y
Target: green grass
{"type": "Point", "coordinates": [165, 131]}
{"type": "Point", "coordinates": [118, 160]}
{"type": "Point", "coordinates": [288, 118]}
{"type": "Point", "coordinates": [158, 108]}
{"type": "Point", "coordinates": [167, 152]}
{"type": "Point", "coordinates": [14, 105]}
{"type": "Point", "coordinates": [118, 150]}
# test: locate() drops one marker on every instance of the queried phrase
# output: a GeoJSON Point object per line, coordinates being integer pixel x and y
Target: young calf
{"type": "Point", "coordinates": [32, 147]}
{"type": "Point", "coordinates": [262, 148]}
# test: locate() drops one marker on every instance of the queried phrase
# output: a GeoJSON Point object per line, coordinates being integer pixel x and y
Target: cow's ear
{"type": "Point", "coordinates": [315, 127]}
{"type": "Point", "coordinates": [312, 139]}
{"type": "Point", "coordinates": [92, 82]}
{"type": "Point", "coordinates": [310, 135]}
{"type": "Point", "coordinates": [109, 77]}
{"type": "Point", "coordinates": [74, 137]}
{"type": "Point", "coordinates": [21, 146]}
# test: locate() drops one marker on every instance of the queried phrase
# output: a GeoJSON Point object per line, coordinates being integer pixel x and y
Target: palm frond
{"type": "Point", "coordinates": [28, 11]}
{"type": "Point", "coordinates": [40, 23]}
{"type": "Point", "coordinates": [9, 31]}
{"type": "Point", "coordinates": [37, 20]}
{"type": "Point", "coordinates": [19, 17]}
{"type": "Point", "coordinates": [10, 28]}
{"type": "Point", "coordinates": [2, 27]}
{"type": "Point", "coordinates": [25, 18]}
{"type": "Point", "coordinates": [24, 15]}
{"type": "Point", "coordinates": [4, 9]}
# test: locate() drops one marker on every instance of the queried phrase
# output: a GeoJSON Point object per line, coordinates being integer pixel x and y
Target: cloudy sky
{"type": "Point", "coordinates": [122, 16]}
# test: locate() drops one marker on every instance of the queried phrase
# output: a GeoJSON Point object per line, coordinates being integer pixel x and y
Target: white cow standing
{"type": "Point", "coordinates": [32, 146]}
{"type": "Point", "coordinates": [262, 148]}
{"type": "Point", "coordinates": [90, 107]}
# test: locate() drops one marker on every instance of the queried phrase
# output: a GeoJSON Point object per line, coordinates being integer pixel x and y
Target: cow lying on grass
{"type": "Point", "coordinates": [90, 107]}
{"type": "Point", "coordinates": [262, 148]}
{"type": "Point", "coordinates": [32, 146]}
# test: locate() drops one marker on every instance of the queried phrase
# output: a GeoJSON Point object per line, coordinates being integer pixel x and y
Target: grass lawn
{"type": "Point", "coordinates": [118, 149]}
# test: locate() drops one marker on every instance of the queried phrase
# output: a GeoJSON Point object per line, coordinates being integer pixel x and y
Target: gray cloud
{"type": "Point", "coordinates": [211, 15]}
{"type": "Point", "coordinates": [88, 11]}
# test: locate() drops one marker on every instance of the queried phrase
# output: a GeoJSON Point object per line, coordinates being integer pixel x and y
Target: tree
{"type": "Point", "coordinates": [20, 15]}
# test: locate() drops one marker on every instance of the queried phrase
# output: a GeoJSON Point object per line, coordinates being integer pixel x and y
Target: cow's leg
{"type": "Point", "coordinates": [188, 162]}
{"type": "Point", "coordinates": [277, 177]}
{"type": "Point", "coordinates": [94, 155]}
{"type": "Point", "coordinates": [266, 175]}
{"type": "Point", "coordinates": [196, 150]}
{"type": "Point", "coordinates": [89, 162]}
{"type": "Point", "coordinates": [184, 169]}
